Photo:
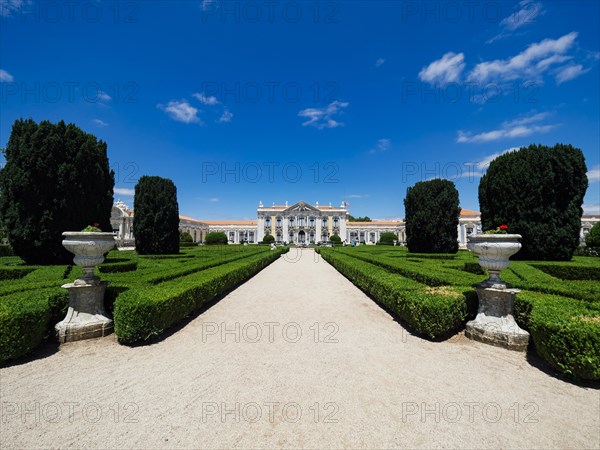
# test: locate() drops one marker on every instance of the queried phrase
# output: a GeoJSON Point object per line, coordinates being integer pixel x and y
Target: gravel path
{"type": "Point", "coordinates": [296, 357]}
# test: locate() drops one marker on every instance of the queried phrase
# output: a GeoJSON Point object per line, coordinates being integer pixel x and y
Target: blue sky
{"type": "Point", "coordinates": [353, 101]}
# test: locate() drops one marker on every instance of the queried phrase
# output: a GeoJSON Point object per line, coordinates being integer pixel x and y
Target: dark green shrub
{"type": "Point", "coordinates": [432, 213]}
{"type": "Point", "coordinates": [565, 332]}
{"type": "Point", "coordinates": [586, 251]}
{"type": "Point", "coordinates": [570, 272]}
{"type": "Point", "coordinates": [128, 266]}
{"type": "Point", "coordinates": [56, 178]}
{"type": "Point", "coordinates": [268, 239]}
{"type": "Point", "coordinates": [335, 239]}
{"type": "Point", "coordinates": [592, 239]}
{"type": "Point", "coordinates": [26, 318]}
{"type": "Point", "coordinates": [475, 268]}
{"type": "Point", "coordinates": [14, 273]}
{"type": "Point", "coordinates": [6, 250]}
{"type": "Point", "coordinates": [387, 238]}
{"type": "Point", "coordinates": [216, 238]}
{"type": "Point", "coordinates": [185, 236]}
{"type": "Point", "coordinates": [538, 192]}
{"type": "Point", "coordinates": [156, 219]}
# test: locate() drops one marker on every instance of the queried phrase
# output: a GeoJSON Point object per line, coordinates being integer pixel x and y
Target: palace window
{"type": "Point", "coordinates": [291, 219]}
{"type": "Point", "coordinates": [232, 236]}
{"type": "Point", "coordinates": [469, 230]}
{"type": "Point", "coordinates": [301, 221]}
{"type": "Point", "coordinates": [279, 221]}
{"type": "Point", "coordinates": [268, 221]}
{"type": "Point", "coordinates": [311, 221]}
{"type": "Point", "coordinates": [325, 222]}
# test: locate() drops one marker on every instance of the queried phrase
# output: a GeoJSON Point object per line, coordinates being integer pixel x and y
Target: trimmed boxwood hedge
{"type": "Point", "coordinates": [570, 272]}
{"type": "Point", "coordinates": [26, 318]}
{"type": "Point", "coordinates": [143, 313]}
{"type": "Point", "coordinates": [120, 267]}
{"type": "Point", "coordinates": [565, 332]}
{"type": "Point", "coordinates": [14, 273]}
{"type": "Point", "coordinates": [32, 305]}
{"type": "Point", "coordinates": [431, 312]}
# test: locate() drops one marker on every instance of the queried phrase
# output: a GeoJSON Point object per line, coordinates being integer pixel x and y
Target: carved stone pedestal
{"type": "Point", "coordinates": [86, 317]}
{"type": "Point", "coordinates": [495, 323]}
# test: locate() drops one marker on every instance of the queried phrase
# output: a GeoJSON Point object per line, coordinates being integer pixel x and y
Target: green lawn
{"type": "Point", "coordinates": [559, 303]}
{"type": "Point", "coordinates": [147, 294]}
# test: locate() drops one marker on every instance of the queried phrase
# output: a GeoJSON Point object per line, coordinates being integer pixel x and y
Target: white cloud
{"type": "Point", "coordinates": [524, 126]}
{"type": "Point", "coordinates": [383, 145]}
{"type": "Point", "coordinates": [594, 174]}
{"type": "Point", "coordinates": [125, 192]}
{"type": "Point", "coordinates": [214, 200]}
{"type": "Point", "coordinates": [357, 196]}
{"type": "Point", "coordinates": [323, 117]}
{"type": "Point", "coordinates": [11, 7]}
{"type": "Point", "coordinates": [205, 4]}
{"type": "Point", "coordinates": [100, 123]}
{"type": "Point", "coordinates": [591, 209]}
{"type": "Point", "coordinates": [225, 117]}
{"type": "Point", "coordinates": [445, 70]}
{"type": "Point", "coordinates": [527, 12]}
{"type": "Point", "coordinates": [210, 100]}
{"type": "Point", "coordinates": [379, 62]}
{"type": "Point", "coordinates": [569, 72]}
{"type": "Point", "coordinates": [181, 111]}
{"type": "Point", "coordinates": [531, 62]}
{"type": "Point", "coordinates": [103, 96]}
{"type": "Point", "coordinates": [480, 167]}
{"type": "Point", "coordinates": [5, 76]}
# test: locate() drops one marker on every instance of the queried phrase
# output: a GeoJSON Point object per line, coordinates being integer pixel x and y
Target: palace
{"type": "Point", "coordinates": [301, 223]}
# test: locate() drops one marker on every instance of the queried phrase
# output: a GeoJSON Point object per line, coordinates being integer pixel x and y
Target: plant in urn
{"type": "Point", "coordinates": [495, 323]}
{"type": "Point", "coordinates": [86, 317]}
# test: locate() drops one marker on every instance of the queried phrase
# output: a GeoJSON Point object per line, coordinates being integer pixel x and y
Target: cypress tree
{"type": "Point", "coordinates": [538, 192]}
{"type": "Point", "coordinates": [57, 178]}
{"type": "Point", "coordinates": [432, 212]}
{"type": "Point", "coordinates": [156, 216]}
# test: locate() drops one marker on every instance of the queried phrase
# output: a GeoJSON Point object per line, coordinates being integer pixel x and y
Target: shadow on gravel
{"type": "Point", "coordinates": [44, 350]}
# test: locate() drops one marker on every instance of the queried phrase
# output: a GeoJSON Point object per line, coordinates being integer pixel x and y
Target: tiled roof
{"type": "Point", "coordinates": [469, 213]}
{"type": "Point", "coordinates": [377, 222]}
{"type": "Point", "coordinates": [229, 222]}
{"type": "Point", "coordinates": [189, 219]}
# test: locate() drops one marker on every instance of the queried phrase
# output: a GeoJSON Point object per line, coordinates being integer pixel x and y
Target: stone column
{"type": "Point", "coordinates": [318, 220]}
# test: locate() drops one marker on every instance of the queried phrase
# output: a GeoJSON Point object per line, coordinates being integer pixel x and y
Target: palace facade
{"type": "Point", "coordinates": [301, 223]}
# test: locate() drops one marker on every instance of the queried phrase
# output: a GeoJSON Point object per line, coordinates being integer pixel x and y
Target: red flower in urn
{"type": "Point", "coordinates": [503, 227]}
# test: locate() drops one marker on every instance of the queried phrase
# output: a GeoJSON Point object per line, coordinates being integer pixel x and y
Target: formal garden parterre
{"type": "Point", "coordinates": [433, 295]}
{"type": "Point", "coordinates": [147, 294]}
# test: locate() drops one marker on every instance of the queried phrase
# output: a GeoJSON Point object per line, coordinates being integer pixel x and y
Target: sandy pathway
{"type": "Point", "coordinates": [306, 360]}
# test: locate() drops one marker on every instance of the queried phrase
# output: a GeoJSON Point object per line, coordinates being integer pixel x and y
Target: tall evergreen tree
{"type": "Point", "coordinates": [156, 218]}
{"type": "Point", "coordinates": [432, 212]}
{"type": "Point", "coordinates": [538, 192]}
{"type": "Point", "coordinates": [57, 178]}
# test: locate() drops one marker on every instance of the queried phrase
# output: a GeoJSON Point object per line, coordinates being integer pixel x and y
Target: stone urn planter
{"type": "Point", "coordinates": [494, 251]}
{"type": "Point", "coordinates": [86, 317]}
{"type": "Point", "coordinates": [495, 323]}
